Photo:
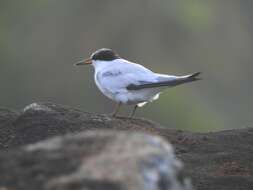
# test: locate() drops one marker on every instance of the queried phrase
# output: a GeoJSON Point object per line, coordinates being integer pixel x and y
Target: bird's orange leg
{"type": "Point", "coordinates": [133, 112]}
{"type": "Point", "coordinates": [116, 110]}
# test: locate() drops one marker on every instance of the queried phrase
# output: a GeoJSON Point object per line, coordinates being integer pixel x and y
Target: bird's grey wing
{"type": "Point", "coordinates": [165, 80]}
{"type": "Point", "coordinates": [119, 78]}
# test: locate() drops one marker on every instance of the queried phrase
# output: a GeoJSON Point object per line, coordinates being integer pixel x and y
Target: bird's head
{"type": "Point", "coordinates": [103, 54]}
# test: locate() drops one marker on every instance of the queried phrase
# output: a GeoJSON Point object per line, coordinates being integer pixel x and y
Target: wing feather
{"type": "Point", "coordinates": [174, 81]}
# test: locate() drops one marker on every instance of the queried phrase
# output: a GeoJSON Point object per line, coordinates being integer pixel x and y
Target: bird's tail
{"type": "Point", "coordinates": [168, 83]}
{"type": "Point", "coordinates": [186, 79]}
{"type": "Point", "coordinates": [191, 77]}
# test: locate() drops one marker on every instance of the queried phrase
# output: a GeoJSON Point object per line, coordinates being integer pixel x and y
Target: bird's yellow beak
{"type": "Point", "coordinates": [84, 62]}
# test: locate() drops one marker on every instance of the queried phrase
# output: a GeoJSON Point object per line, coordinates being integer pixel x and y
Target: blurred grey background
{"type": "Point", "coordinates": [41, 39]}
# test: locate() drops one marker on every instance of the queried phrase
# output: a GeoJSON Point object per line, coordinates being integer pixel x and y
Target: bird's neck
{"type": "Point", "coordinates": [98, 65]}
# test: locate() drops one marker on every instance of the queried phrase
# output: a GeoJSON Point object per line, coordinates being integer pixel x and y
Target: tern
{"type": "Point", "coordinates": [130, 83]}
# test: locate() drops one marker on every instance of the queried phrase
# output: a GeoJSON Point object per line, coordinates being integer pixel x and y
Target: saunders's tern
{"type": "Point", "coordinates": [129, 83]}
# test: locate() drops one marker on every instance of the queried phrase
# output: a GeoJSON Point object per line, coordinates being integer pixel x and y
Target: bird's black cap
{"type": "Point", "coordinates": [104, 54]}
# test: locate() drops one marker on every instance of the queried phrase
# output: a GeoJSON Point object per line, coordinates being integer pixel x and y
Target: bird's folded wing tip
{"type": "Point", "coordinates": [195, 74]}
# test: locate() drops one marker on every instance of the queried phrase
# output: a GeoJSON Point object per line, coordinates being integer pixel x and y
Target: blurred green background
{"type": "Point", "coordinates": [41, 39]}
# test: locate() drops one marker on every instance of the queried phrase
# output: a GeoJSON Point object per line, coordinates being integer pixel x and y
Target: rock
{"type": "Point", "coordinates": [94, 160]}
{"type": "Point", "coordinates": [7, 128]}
{"type": "Point", "coordinates": [219, 160]}
{"type": "Point", "coordinates": [39, 121]}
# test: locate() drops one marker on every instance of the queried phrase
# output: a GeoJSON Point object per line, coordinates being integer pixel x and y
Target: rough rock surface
{"type": "Point", "coordinates": [94, 160]}
{"type": "Point", "coordinates": [220, 160]}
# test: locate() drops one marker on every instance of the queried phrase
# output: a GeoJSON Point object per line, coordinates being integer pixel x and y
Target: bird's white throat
{"type": "Point", "coordinates": [99, 64]}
